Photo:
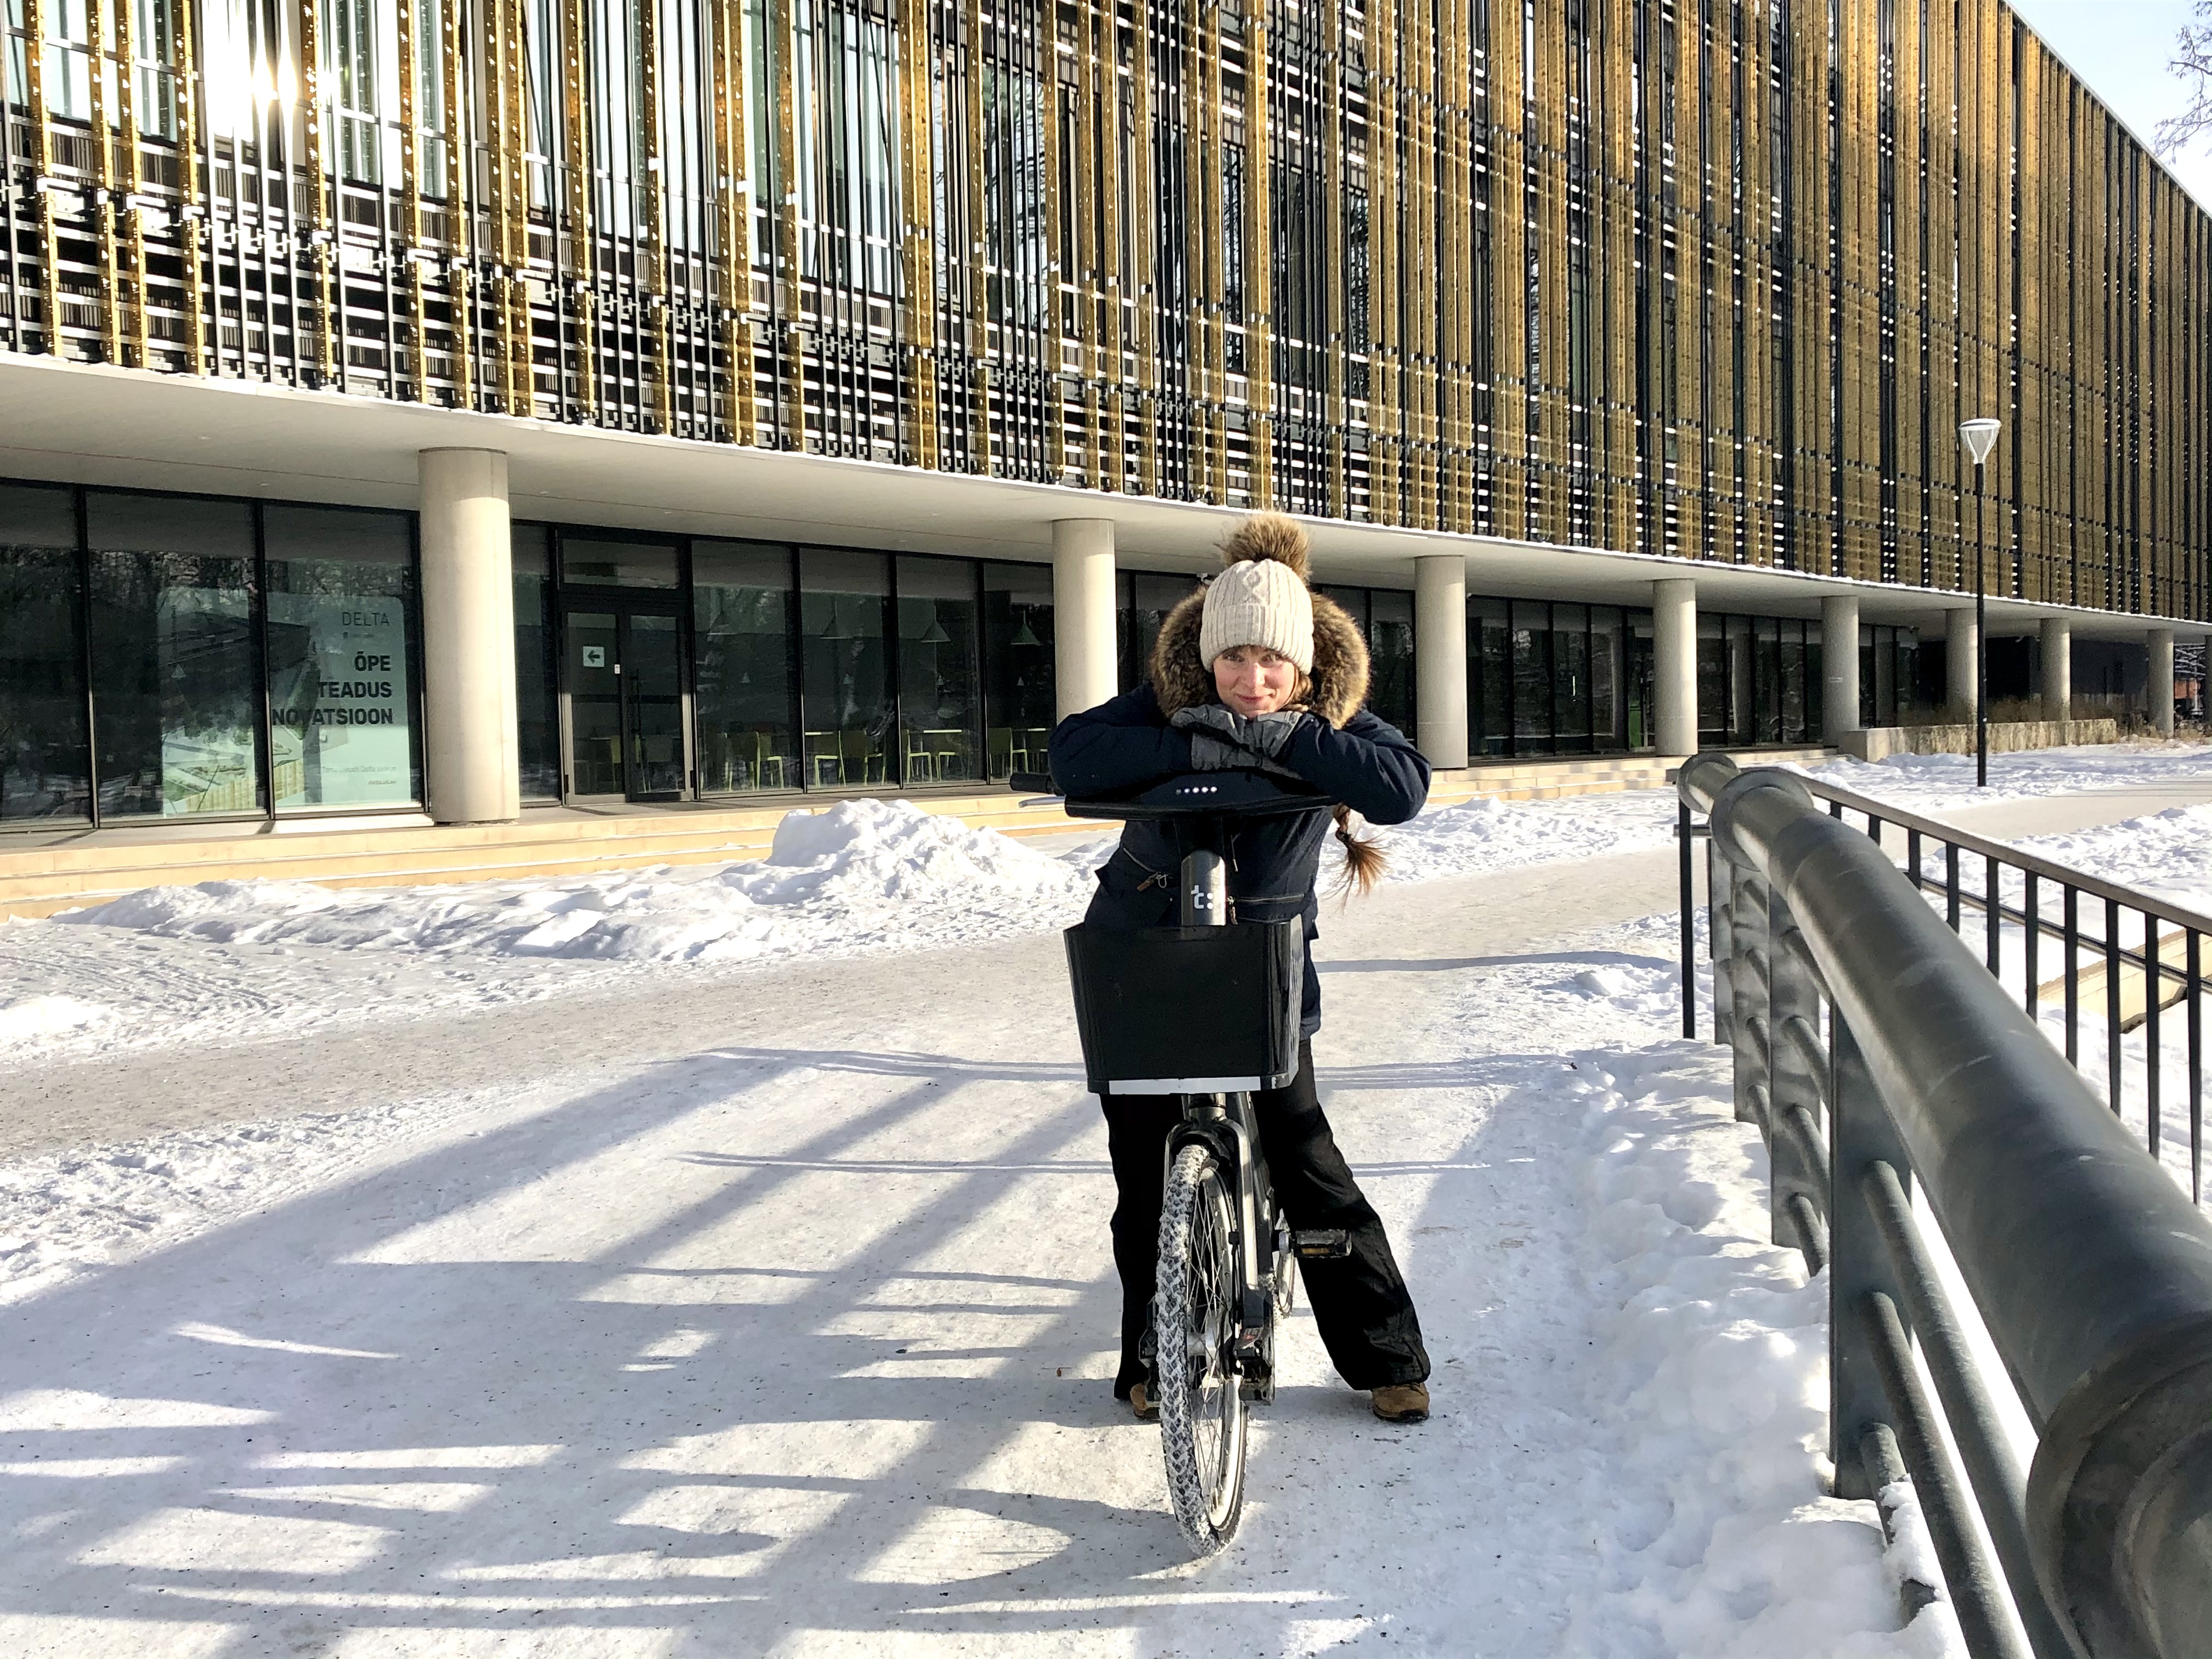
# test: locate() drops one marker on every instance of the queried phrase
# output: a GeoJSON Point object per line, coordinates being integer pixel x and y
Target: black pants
{"type": "Point", "coordinates": [1360, 1302]}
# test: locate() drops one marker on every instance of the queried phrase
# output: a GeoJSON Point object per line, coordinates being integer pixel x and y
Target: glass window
{"type": "Point", "coordinates": [844, 599]}
{"type": "Point", "coordinates": [592, 640]}
{"type": "Point", "coordinates": [1390, 645]}
{"type": "Point", "coordinates": [1766, 678]}
{"type": "Point", "coordinates": [1802, 693]}
{"type": "Point", "coordinates": [1571, 679]}
{"type": "Point", "coordinates": [1017, 667]}
{"type": "Point", "coordinates": [1146, 602]}
{"type": "Point", "coordinates": [1812, 689]}
{"type": "Point", "coordinates": [1532, 678]}
{"type": "Point", "coordinates": [742, 619]}
{"type": "Point", "coordinates": [176, 686]}
{"type": "Point", "coordinates": [1642, 671]}
{"type": "Point", "coordinates": [1490, 678]}
{"type": "Point", "coordinates": [941, 685]}
{"type": "Point", "coordinates": [1745, 672]}
{"type": "Point", "coordinates": [538, 735]}
{"type": "Point", "coordinates": [1354, 601]}
{"type": "Point", "coordinates": [45, 762]}
{"type": "Point", "coordinates": [604, 561]}
{"type": "Point", "coordinates": [1715, 707]}
{"type": "Point", "coordinates": [341, 595]}
{"type": "Point", "coordinates": [1608, 717]}
{"type": "Point", "coordinates": [1888, 653]}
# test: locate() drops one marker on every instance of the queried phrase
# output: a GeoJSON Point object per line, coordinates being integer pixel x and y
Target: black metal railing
{"type": "Point", "coordinates": [2094, 962]}
{"type": "Point", "coordinates": [1879, 1057]}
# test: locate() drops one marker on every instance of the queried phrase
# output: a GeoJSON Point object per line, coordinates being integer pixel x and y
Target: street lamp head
{"type": "Point", "coordinates": [1979, 436]}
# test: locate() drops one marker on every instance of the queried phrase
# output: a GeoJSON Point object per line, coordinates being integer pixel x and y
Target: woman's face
{"type": "Point", "coordinates": [1252, 680]}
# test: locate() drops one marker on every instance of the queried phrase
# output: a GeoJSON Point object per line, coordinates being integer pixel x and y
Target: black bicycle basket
{"type": "Point", "coordinates": [1175, 1010]}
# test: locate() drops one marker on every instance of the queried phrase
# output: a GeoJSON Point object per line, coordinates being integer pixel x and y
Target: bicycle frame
{"type": "Point", "coordinates": [1227, 1125]}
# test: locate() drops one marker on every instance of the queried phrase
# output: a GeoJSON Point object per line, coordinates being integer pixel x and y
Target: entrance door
{"type": "Point", "coordinates": [624, 679]}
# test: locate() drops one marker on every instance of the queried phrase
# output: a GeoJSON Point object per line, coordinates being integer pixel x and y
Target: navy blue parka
{"type": "Point", "coordinates": [1350, 755]}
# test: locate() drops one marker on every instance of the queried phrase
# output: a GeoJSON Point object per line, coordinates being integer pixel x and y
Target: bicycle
{"type": "Point", "coordinates": [1206, 1011]}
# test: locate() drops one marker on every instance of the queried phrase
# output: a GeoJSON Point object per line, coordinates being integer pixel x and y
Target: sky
{"type": "Point", "coordinates": [2121, 48]}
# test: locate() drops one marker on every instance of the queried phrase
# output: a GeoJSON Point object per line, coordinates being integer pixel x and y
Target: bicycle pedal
{"type": "Point", "coordinates": [1322, 1244]}
{"type": "Point", "coordinates": [1249, 1353]}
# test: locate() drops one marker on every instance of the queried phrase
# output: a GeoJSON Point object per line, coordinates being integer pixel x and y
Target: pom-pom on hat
{"type": "Point", "coordinates": [1261, 598]}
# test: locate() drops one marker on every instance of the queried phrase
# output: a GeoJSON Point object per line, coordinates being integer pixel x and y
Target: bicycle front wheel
{"type": "Point", "coordinates": [1194, 1315]}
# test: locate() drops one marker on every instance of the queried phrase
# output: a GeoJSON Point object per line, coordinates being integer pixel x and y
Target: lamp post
{"type": "Point", "coordinates": [1980, 436]}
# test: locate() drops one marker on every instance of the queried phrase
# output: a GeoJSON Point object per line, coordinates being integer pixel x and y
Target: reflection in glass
{"type": "Point", "coordinates": [1713, 703]}
{"type": "Point", "coordinates": [538, 738]}
{"type": "Point", "coordinates": [1532, 678]}
{"type": "Point", "coordinates": [176, 691]}
{"type": "Point", "coordinates": [1766, 678]}
{"type": "Point", "coordinates": [1608, 717]}
{"type": "Point", "coordinates": [1570, 680]}
{"type": "Point", "coordinates": [1489, 682]}
{"type": "Point", "coordinates": [742, 619]}
{"type": "Point", "coordinates": [341, 588]}
{"type": "Point", "coordinates": [1018, 666]}
{"type": "Point", "coordinates": [652, 697]}
{"type": "Point", "coordinates": [45, 762]}
{"type": "Point", "coordinates": [843, 639]}
{"type": "Point", "coordinates": [1642, 711]}
{"type": "Point", "coordinates": [1390, 648]}
{"type": "Point", "coordinates": [594, 678]}
{"type": "Point", "coordinates": [1145, 601]}
{"type": "Point", "coordinates": [1797, 711]}
{"type": "Point", "coordinates": [940, 715]}
{"type": "Point", "coordinates": [1353, 602]}
{"type": "Point", "coordinates": [607, 561]}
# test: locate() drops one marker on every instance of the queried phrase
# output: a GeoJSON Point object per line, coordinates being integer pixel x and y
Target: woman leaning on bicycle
{"type": "Point", "coordinates": [1256, 671]}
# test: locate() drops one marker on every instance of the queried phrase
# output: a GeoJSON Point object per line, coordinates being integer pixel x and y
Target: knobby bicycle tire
{"type": "Point", "coordinates": [1194, 1314]}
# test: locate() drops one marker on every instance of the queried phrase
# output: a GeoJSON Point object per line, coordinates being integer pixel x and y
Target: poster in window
{"type": "Point", "coordinates": [338, 696]}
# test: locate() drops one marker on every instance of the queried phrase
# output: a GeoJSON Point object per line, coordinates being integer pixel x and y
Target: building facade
{"type": "Point", "coordinates": [452, 403]}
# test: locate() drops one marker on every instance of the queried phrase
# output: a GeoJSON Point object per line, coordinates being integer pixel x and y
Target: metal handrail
{"type": "Point", "coordinates": [2082, 880]}
{"type": "Point", "coordinates": [2089, 944]}
{"type": "Point", "coordinates": [2088, 1266]}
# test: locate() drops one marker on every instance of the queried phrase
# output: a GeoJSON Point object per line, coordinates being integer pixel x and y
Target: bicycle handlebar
{"type": "Point", "coordinates": [1238, 794]}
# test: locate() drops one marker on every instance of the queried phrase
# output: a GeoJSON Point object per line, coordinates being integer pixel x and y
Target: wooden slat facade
{"type": "Point", "coordinates": [1698, 277]}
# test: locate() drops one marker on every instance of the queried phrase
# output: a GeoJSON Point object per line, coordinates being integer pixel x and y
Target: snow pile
{"type": "Point", "coordinates": [27, 1020]}
{"type": "Point", "coordinates": [1477, 836]}
{"type": "Point", "coordinates": [1711, 1381]}
{"type": "Point", "coordinates": [1930, 781]}
{"type": "Point", "coordinates": [2168, 853]}
{"type": "Point", "coordinates": [62, 1213]}
{"type": "Point", "coordinates": [862, 874]}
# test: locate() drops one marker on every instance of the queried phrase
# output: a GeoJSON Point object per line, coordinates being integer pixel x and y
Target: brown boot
{"type": "Point", "coordinates": [1148, 1411]}
{"type": "Point", "coordinates": [1402, 1403]}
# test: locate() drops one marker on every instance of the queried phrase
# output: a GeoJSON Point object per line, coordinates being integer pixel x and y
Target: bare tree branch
{"type": "Point", "coordinates": [2192, 62]}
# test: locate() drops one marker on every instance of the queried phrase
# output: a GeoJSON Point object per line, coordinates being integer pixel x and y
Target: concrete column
{"type": "Point", "coordinates": [1675, 664]}
{"type": "Point", "coordinates": [1083, 614]}
{"type": "Point", "coordinates": [1839, 663]}
{"type": "Point", "coordinates": [2160, 641]}
{"type": "Point", "coordinates": [2057, 688]}
{"type": "Point", "coordinates": [1959, 661]}
{"type": "Point", "coordinates": [468, 637]}
{"type": "Point", "coordinates": [1440, 658]}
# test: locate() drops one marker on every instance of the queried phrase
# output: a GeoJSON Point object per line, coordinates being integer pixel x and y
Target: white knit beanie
{"type": "Point", "coordinates": [1258, 602]}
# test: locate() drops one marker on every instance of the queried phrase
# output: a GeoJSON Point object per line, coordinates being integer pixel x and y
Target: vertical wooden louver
{"type": "Point", "coordinates": [1715, 278]}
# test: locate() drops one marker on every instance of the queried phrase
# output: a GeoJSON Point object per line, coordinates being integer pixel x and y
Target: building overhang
{"type": "Point", "coordinates": [92, 423]}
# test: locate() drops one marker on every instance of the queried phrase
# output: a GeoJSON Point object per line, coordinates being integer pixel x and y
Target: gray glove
{"type": "Point", "coordinates": [1220, 738]}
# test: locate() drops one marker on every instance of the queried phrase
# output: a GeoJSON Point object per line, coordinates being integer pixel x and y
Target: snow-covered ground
{"type": "Point", "coordinates": [1929, 783]}
{"type": "Point", "coordinates": [806, 1353]}
{"type": "Point", "coordinates": [796, 1347]}
{"type": "Point", "coordinates": [227, 960]}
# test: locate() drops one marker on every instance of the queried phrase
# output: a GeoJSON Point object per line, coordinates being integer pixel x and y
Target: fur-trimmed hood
{"type": "Point", "coordinates": [1180, 680]}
